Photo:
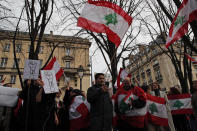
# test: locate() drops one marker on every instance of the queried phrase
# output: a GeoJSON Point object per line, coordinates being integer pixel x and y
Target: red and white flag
{"type": "Point", "coordinates": [187, 12]}
{"type": "Point", "coordinates": [180, 104]}
{"type": "Point", "coordinates": [55, 66]}
{"type": "Point", "coordinates": [105, 17]}
{"type": "Point", "coordinates": [191, 59]}
{"type": "Point", "coordinates": [78, 113]}
{"type": "Point", "coordinates": [133, 116]}
{"type": "Point", "coordinates": [156, 110]}
{"type": "Point", "coordinates": [121, 76]}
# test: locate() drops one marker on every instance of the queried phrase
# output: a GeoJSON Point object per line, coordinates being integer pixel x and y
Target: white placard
{"type": "Point", "coordinates": [31, 69]}
{"type": "Point", "coordinates": [8, 96]}
{"type": "Point", "coordinates": [50, 83]}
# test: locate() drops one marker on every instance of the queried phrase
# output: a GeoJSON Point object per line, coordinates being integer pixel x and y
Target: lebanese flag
{"type": "Point", "coordinates": [105, 17]}
{"type": "Point", "coordinates": [187, 12]}
{"type": "Point", "coordinates": [54, 65]}
{"type": "Point", "coordinates": [180, 104]}
{"type": "Point", "coordinates": [121, 76]}
{"type": "Point", "coordinates": [133, 116]}
{"type": "Point", "coordinates": [191, 59]}
{"type": "Point", "coordinates": [126, 103]}
{"type": "Point", "coordinates": [157, 113]}
{"type": "Point", "coordinates": [78, 113]}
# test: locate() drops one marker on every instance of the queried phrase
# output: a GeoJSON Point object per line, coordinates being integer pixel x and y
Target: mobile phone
{"type": "Point", "coordinates": [107, 83]}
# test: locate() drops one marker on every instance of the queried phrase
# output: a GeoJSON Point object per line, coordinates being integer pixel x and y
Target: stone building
{"type": "Point", "coordinates": [151, 64]}
{"type": "Point", "coordinates": [71, 52]}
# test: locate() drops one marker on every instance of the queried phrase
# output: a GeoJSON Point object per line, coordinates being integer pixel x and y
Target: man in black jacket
{"type": "Point", "coordinates": [101, 105]}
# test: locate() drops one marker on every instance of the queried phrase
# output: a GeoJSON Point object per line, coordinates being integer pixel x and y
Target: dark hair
{"type": "Point", "coordinates": [70, 88]}
{"type": "Point", "coordinates": [77, 91]}
{"type": "Point", "coordinates": [145, 88]}
{"type": "Point", "coordinates": [156, 84]}
{"type": "Point", "coordinates": [97, 75]}
{"type": "Point", "coordinates": [174, 91]}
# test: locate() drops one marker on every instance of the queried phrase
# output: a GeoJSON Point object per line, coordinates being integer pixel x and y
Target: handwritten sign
{"type": "Point", "coordinates": [50, 83]}
{"type": "Point", "coordinates": [31, 69]}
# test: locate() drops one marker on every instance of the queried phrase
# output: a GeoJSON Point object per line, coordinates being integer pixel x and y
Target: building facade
{"type": "Point", "coordinates": [71, 52]}
{"type": "Point", "coordinates": [152, 64]}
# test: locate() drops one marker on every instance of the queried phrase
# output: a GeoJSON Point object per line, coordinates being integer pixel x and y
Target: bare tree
{"type": "Point", "coordinates": [38, 14]}
{"type": "Point", "coordinates": [163, 14]}
{"type": "Point", "coordinates": [5, 14]}
{"type": "Point", "coordinates": [107, 48]}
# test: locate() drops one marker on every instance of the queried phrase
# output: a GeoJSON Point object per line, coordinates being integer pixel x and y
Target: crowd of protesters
{"type": "Point", "coordinates": [37, 111]}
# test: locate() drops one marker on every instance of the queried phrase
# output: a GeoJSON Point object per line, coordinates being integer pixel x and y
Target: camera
{"type": "Point", "coordinates": [107, 83]}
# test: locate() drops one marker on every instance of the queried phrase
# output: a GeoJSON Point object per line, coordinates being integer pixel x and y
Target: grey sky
{"type": "Point", "coordinates": [55, 26]}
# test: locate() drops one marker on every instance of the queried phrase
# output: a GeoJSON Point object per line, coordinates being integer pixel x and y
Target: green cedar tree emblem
{"type": "Point", "coordinates": [180, 20]}
{"type": "Point", "coordinates": [153, 108]}
{"type": "Point", "coordinates": [123, 107]}
{"type": "Point", "coordinates": [178, 104]}
{"type": "Point", "coordinates": [111, 19]}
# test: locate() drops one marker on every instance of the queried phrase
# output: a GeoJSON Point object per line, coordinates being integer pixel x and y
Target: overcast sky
{"type": "Point", "coordinates": [98, 64]}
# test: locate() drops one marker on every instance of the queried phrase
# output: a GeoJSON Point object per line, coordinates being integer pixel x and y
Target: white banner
{"type": "Point", "coordinates": [8, 96]}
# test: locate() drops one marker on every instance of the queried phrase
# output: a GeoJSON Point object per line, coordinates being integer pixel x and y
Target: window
{"type": "Point", "coordinates": [68, 51]}
{"type": "Point", "coordinates": [1, 78]}
{"type": "Point", "coordinates": [41, 49]}
{"type": "Point", "coordinates": [138, 78]}
{"type": "Point", "coordinates": [156, 64]}
{"type": "Point", "coordinates": [6, 48]}
{"type": "Point", "coordinates": [13, 79]}
{"type": "Point", "coordinates": [143, 78]}
{"type": "Point", "coordinates": [28, 49]}
{"type": "Point", "coordinates": [14, 65]}
{"type": "Point", "coordinates": [67, 79]}
{"type": "Point", "coordinates": [67, 64]}
{"type": "Point", "coordinates": [18, 48]}
{"type": "Point", "coordinates": [158, 75]}
{"type": "Point", "coordinates": [3, 62]}
{"type": "Point", "coordinates": [154, 51]}
{"type": "Point", "coordinates": [76, 82]}
{"type": "Point", "coordinates": [149, 76]}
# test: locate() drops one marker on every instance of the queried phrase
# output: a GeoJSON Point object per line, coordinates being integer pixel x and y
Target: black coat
{"type": "Point", "coordinates": [40, 115]}
{"type": "Point", "coordinates": [29, 107]}
{"type": "Point", "coordinates": [45, 111]}
{"type": "Point", "coordinates": [101, 109]}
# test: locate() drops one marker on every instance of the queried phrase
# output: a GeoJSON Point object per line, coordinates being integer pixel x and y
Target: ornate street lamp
{"type": "Point", "coordinates": [80, 71]}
